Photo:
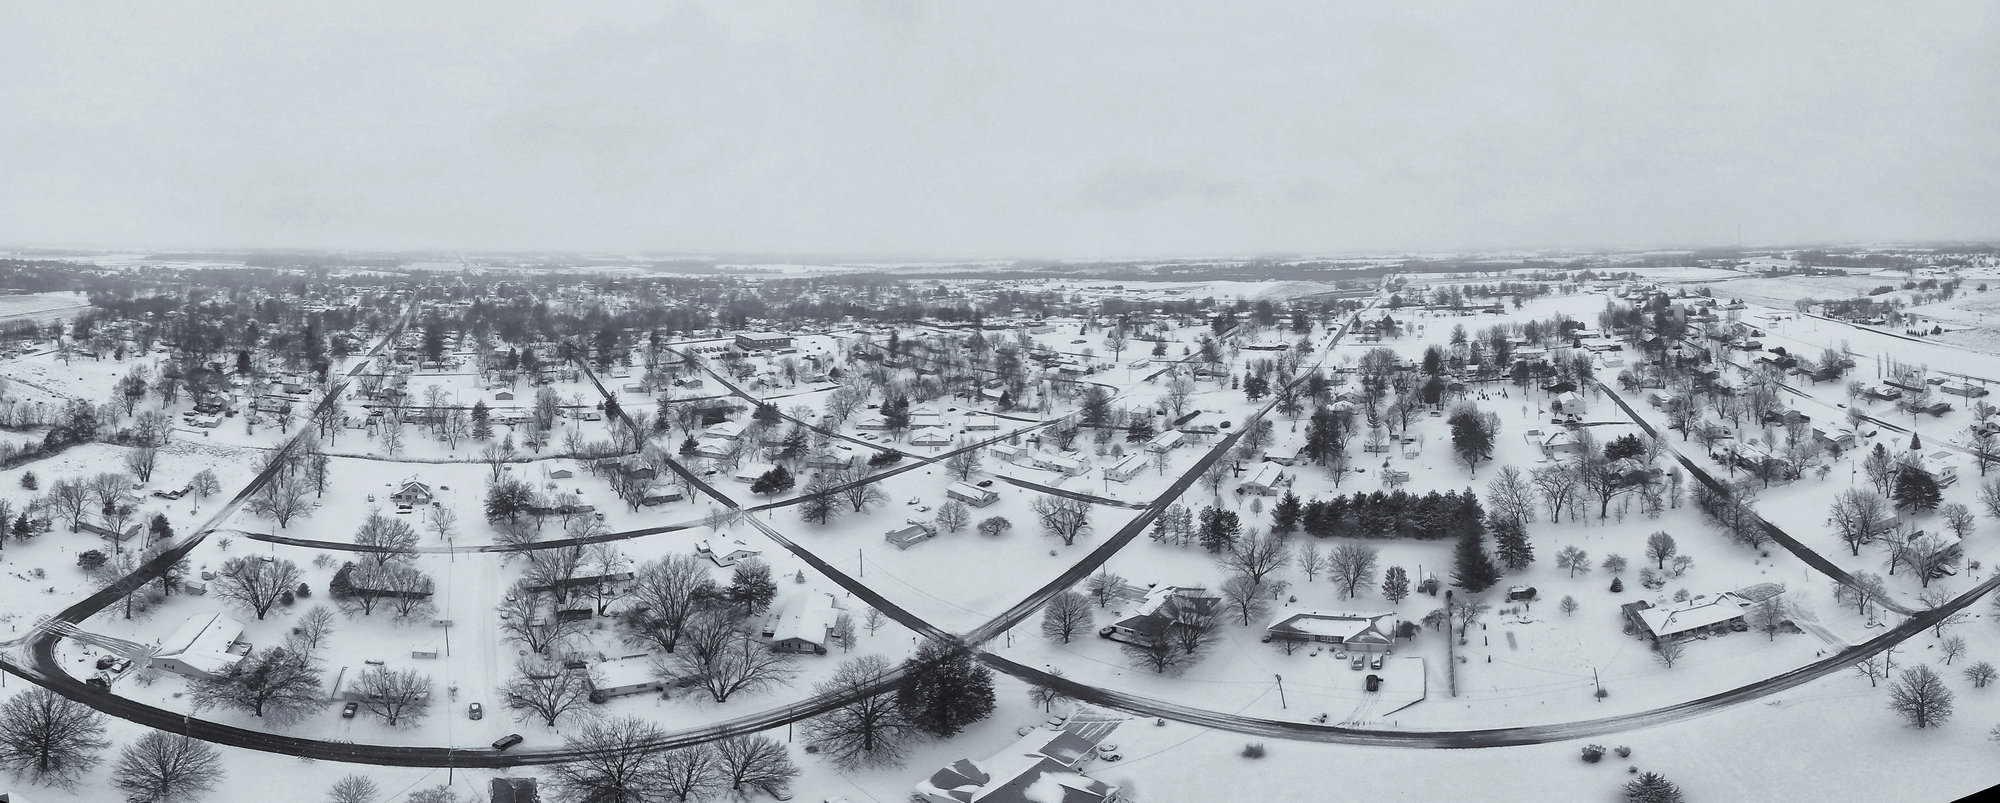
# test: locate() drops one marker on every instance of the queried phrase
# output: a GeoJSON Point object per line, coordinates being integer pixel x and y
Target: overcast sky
{"type": "Point", "coordinates": [995, 129]}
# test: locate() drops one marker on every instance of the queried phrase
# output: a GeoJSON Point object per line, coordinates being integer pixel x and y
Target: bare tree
{"type": "Point", "coordinates": [1468, 612]}
{"type": "Point", "coordinates": [1920, 697]}
{"type": "Point", "coordinates": [161, 766]}
{"type": "Point", "coordinates": [204, 485]}
{"type": "Point", "coordinates": [495, 456]}
{"type": "Point", "coordinates": [1574, 559]}
{"type": "Point", "coordinates": [312, 630]}
{"type": "Point", "coordinates": [1981, 674]}
{"type": "Point", "coordinates": [1669, 651]}
{"type": "Point", "coordinates": [869, 731]}
{"type": "Point", "coordinates": [141, 461]}
{"type": "Point", "coordinates": [1245, 597]}
{"type": "Point", "coordinates": [553, 569]}
{"type": "Point", "coordinates": [1952, 649]}
{"type": "Point", "coordinates": [385, 539]}
{"type": "Point", "coordinates": [1509, 495]}
{"type": "Point", "coordinates": [756, 764]}
{"type": "Point", "coordinates": [1311, 560]}
{"type": "Point", "coordinates": [690, 773]}
{"type": "Point", "coordinates": [1874, 669]}
{"type": "Point", "coordinates": [256, 583]}
{"type": "Point", "coordinates": [50, 739]}
{"type": "Point", "coordinates": [442, 522]}
{"type": "Point", "coordinates": [857, 492]}
{"type": "Point", "coordinates": [283, 499]}
{"type": "Point", "coordinates": [953, 515]}
{"type": "Point", "coordinates": [522, 620]}
{"type": "Point", "coordinates": [354, 789]}
{"type": "Point", "coordinates": [1858, 517]}
{"type": "Point", "coordinates": [277, 684]}
{"type": "Point", "coordinates": [1163, 655]}
{"type": "Point", "coordinates": [963, 464]}
{"type": "Point", "coordinates": [1255, 555]}
{"type": "Point", "coordinates": [1959, 519]}
{"type": "Point", "coordinates": [1558, 484]}
{"type": "Point", "coordinates": [615, 762]}
{"type": "Point", "coordinates": [667, 591]}
{"type": "Point", "coordinates": [1660, 547]}
{"type": "Point", "coordinates": [108, 488]}
{"type": "Point", "coordinates": [547, 690]}
{"type": "Point", "coordinates": [1352, 566]}
{"type": "Point", "coordinates": [740, 663]}
{"type": "Point", "coordinates": [1062, 517]}
{"type": "Point", "coordinates": [71, 498]}
{"type": "Point", "coordinates": [394, 695]}
{"type": "Point", "coordinates": [1104, 586]}
{"type": "Point", "coordinates": [1869, 588]}
{"type": "Point", "coordinates": [1066, 615]}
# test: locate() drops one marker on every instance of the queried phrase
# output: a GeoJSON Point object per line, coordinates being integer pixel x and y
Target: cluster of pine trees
{"type": "Point", "coordinates": [1394, 514]}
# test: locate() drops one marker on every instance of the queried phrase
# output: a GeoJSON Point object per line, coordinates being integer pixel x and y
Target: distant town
{"type": "Point", "coordinates": [368, 528]}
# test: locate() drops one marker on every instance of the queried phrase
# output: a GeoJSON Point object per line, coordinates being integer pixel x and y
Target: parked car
{"type": "Point", "coordinates": [1375, 662]}
{"type": "Point", "coordinates": [1360, 660]}
{"type": "Point", "coordinates": [347, 711]}
{"type": "Point", "coordinates": [507, 741]}
{"type": "Point", "coordinates": [985, 483]}
{"type": "Point", "coordinates": [475, 711]}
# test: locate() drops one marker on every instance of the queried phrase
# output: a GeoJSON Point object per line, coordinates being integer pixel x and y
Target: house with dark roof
{"type": "Point", "coordinates": [1164, 607]}
{"type": "Point", "coordinates": [514, 790]}
{"type": "Point", "coordinates": [413, 493]}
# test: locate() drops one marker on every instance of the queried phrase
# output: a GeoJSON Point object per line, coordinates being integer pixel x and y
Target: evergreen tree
{"type": "Point", "coordinates": [766, 414]}
{"type": "Point", "coordinates": [1285, 515]}
{"type": "Point", "coordinates": [1218, 528]}
{"type": "Point", "coordinates": [1510, 539]}
{"type": "Point", "coordinates": [943, 690]}
{"type": "Point", "coordinates": [776, 481]}
{"type": "Point", "coordinates": [1652, 788]}
{"type": "Point", "coordinates": [1916, 490]}
{"type": "Point", "coordinates": [1395, 584]}
{"type": "Point", "coordinates": [482, 421]}
{"type": "Point", "coordinates": [752, 586]}
{"type": "Point", "coordinates": [1471, 569]}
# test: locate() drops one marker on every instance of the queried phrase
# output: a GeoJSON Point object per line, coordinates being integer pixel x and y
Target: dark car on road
{"type": "Point", "coordinates": [347, 711]}
{"type": "Point", "coordinates": [507, 741]}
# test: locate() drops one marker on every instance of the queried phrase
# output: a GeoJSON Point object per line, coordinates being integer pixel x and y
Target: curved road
{"type": "Point", "coordinates": [46, 673]}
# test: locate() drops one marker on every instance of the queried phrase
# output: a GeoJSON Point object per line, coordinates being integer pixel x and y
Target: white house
{"type": "Point", "coordinates": [971, 494]}
{"type": "Point", "coordinates": [1165, 441]}
{"type": "Point", "coordinates": [910, 535]}
{"type": "Point", "coordinates": [1008, 452]}
{"type": "Point", "coordinates": [203, 647]}
{"type": "Point", "coordinates": [1263, 480]}
{"type": "Point", "coordinates": [725, 554]}
{"type": "Point", "coordinates": [1127, 468]}
{"type": "Point", "coordinates": [802, 623]}
{"type": "Point", "coordinates": [1364, 632]}
{"type": "Point", "coordinates": [620, 677]}
{"type": "Point", "coordinates": [980, 420]}
{"type": "Point", "coordinates": [1042, 766]}
{"type": "Point", "coordinates": [1058, 463]}
{"type": "Point", "coordinates": [727, 430]}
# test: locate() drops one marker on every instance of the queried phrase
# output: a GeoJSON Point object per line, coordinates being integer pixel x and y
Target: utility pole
{"type": "Point", "coordinates": [1281, 691]}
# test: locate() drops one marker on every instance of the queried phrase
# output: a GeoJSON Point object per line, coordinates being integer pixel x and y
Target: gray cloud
{"type": "Point", "coordinates": [994, 129]}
